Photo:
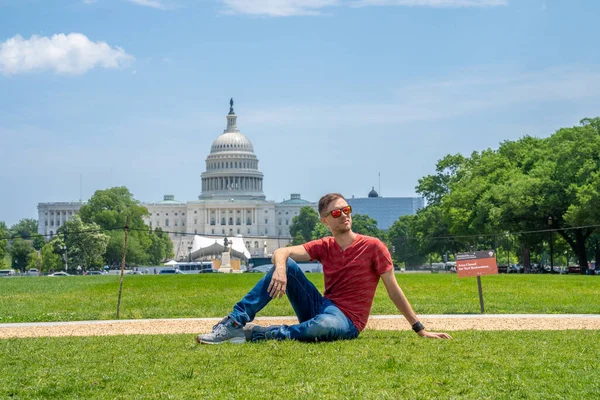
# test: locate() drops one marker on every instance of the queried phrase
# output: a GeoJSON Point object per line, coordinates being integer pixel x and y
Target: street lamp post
{"type": "Point", "coordinates": [190, 254]}
{"type": "Point", "coordinates": [64, 248]}
{"type": "Point", "coordinates": [551, 245]}
{"type": "Point", "coordinates": [508, 240]}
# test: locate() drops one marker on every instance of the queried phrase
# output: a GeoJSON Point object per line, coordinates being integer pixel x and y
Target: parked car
{"type": "Point", "coordinates": [165, 271]}
{"type": "Point", "coordinates": [133, 272]}
{"type": "Point", "coordinates": [7, 272]}
{"type": "Point", "coordinates": [94, 273]}
{"type": "Point", "coordinates": [33, 272]}
{"type": "Point", "coordinates": [516, 269]}
{"type": "Point", "coordinates": [60, 273]}
{"type": "Point", "coordinates": [261, 268]}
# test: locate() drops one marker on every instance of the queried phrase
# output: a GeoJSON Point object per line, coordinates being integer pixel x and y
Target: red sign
{"type": "Point", "coordinates": [476, 263]}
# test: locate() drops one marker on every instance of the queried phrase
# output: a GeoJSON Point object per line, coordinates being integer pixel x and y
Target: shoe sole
{"type": "Point", "coordinates": [234, 340]}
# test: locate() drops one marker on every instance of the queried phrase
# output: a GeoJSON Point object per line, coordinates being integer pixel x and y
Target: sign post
{"type": "Point", "coordinates": [477, 263]}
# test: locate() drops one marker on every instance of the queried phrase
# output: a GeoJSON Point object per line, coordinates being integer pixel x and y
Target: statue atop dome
{"type": "Point", "coordinates": [231, 106]}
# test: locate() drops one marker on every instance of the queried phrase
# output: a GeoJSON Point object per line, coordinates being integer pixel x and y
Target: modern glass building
{"type": "Point", "coordinates": [385, 210]}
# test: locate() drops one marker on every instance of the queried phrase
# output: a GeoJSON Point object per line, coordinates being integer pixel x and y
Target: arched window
{"type": "Point", "coordinates": [230, 220]}
{"type": "Point", "coordinates": [256, 244]}
{"type": "Point", "coordinates": [166, 221]}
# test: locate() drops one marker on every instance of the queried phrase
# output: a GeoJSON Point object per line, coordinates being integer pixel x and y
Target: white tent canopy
{"type": "Point", "coordinates": [172, 262]}
{"type": "Point", "coordinates": [204, 246]}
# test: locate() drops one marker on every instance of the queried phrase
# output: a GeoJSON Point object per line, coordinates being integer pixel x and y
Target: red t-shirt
{"type": "Point", "coordinates": [352, 275]}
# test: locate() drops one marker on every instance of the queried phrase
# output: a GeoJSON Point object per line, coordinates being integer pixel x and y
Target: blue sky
{"type": "Point", "coordinates": [330, 92]}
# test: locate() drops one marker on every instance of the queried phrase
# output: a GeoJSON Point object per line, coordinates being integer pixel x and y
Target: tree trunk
{"type": "Point", "coordinates": [526, 260]}
{"type": "Point", "coordinates": [596, 255]}
{"type": "Point", "coordinates": [580, 250]}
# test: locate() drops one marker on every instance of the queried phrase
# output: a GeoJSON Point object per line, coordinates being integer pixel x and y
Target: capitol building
{"type": "Point", "coordinates": [232, 203]}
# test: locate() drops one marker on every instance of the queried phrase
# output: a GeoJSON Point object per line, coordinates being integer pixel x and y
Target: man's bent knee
{"type": "Point", "coordinates": [292, 267]}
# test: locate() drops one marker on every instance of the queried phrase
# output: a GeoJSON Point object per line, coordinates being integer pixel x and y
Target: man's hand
{"type": "Point", "coordinates": [278, 283]}
{"type": "Point", "coordinates": [434, 335]}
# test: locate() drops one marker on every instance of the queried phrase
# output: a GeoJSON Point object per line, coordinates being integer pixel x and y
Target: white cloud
{"type": "Point", "coordinates": [431, 3]}
{"type": "Point", "coordinates": [158, 4]}
{"type": "Point", "coordinates": [287, 8]}
{"type": "Point", "coordinates": [278, 8]}
{"type": "Point", "coordinates": [64, 54]}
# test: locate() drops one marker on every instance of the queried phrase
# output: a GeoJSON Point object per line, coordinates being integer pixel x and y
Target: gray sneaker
{"type": "Point", "coordinates": [227, 330]}
{"type": "Point", "coordinates": [255, 332]}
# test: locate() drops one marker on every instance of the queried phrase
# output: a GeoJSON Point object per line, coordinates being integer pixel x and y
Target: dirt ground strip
{"type": "Point", "coordinates": [203, 325]}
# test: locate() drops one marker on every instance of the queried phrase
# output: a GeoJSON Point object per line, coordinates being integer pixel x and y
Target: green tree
{"type": "Point", "coordinates": [25, 228]}
{"type": "Point", "coordinates": [86, 244]}
{"type": "Point", "coordinates": [4, 234]}
{"type": "Point", "coordinates": [161, 248]}
{"type": "Point", "coordinates": [303, 225]}
{"type": "Point", "coordinates": [38, 241]}
{"type": "Point", "coordinates": [20, 251]}
{"type": "Point", "coordinates": [519, 186]}
{"type": "Point", "coordinates": [51, 260]}
{"type": "Point", "coordinates": [321, 230]}
{"type": "Point", "coordinates": [110, 209]}
{"type": "Point", "coordinates": [298, 239]}
{"type": "Point", "coordinates": [34, 261]}
{"type": "Point", "coordinates": [406, 246]}
{"type": "Point", "coordinates": [365, 225]}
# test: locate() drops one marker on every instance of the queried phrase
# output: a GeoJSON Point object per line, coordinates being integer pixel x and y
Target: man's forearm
{"type": "Point", "coordinates": [401, 302]}
{"type": "Point", "coordinates": [280, 257]}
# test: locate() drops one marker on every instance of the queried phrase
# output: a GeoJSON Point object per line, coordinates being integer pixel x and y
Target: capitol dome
{"type": "Point", "coordinates": [232, 167]}
{"type": "Point", "coordinates": [231, 141]}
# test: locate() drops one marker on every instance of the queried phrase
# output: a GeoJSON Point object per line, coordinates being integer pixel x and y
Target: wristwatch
{"type": "Point", "coordinates": [418, 326]}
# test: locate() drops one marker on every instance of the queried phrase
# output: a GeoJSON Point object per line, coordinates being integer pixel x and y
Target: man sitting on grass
{"type": "Point", "coordinates": [352, 266]}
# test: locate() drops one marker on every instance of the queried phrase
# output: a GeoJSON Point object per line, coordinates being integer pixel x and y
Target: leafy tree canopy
{"type": "Point", "coordinates": [303, 225]}
{"type": "Point", "coordinates": [85, 243]}
{"type": "Point", "coordinates": [20, 250]}
{"type": "Point", "coordinates": [110, 208]}
{"type": "Point", "coordinates": [51, 259]}
{"type": "Point", "coordinates": [519, 187]}
{"type": "Point", "coordinates": [365, 225]}
{"type": "Point", "coordinates": [4, 234]}
{"type": "Point", "coordinates": [25, 228]}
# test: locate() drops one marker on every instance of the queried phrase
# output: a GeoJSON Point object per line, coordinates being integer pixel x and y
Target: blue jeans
{"type": "Point", "coordinates": [319, 319]}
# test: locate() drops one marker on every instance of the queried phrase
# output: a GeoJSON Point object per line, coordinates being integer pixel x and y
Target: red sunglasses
{"type": "Point", "coordinates": [338, 212]}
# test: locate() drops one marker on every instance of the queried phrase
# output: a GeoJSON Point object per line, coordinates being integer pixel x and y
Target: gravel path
{"type": "Point", "coordinates": [382, 322]}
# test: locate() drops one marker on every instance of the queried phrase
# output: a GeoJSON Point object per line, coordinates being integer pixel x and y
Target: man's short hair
{"type": "Point", "coordinates": [328, 198]}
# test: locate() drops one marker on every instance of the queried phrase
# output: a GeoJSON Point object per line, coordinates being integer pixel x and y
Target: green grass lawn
{"type": "Point", "coordinates": [31, 299]}
{"type": "Point", "coordinates": [378, 365]}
